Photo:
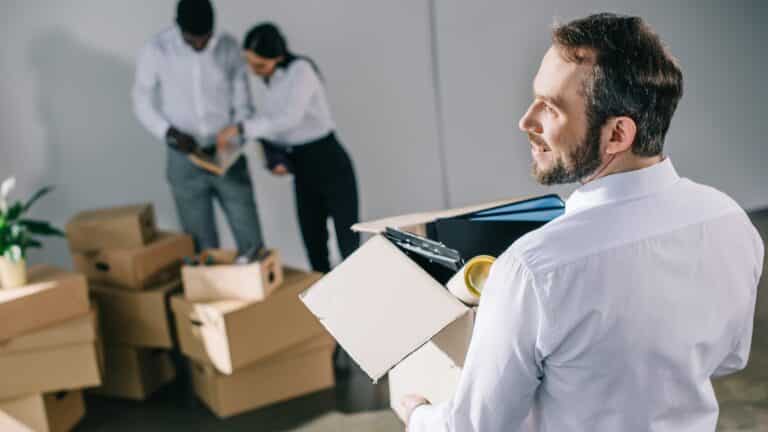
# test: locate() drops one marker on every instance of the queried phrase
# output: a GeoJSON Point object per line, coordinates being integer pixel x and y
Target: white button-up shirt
{"type": "Point", "coordinates": [613, 317]}
{"type": "Point", "coordinates": [294, 110]}
{"type": "Point", "coordinates": [197, 92]}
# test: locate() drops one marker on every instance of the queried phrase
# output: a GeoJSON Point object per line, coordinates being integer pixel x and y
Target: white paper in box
{"type": "Point", "coordinates": [381, 306]}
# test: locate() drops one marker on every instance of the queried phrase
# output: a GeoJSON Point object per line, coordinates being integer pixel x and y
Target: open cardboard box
{"type": "Point", "coordinates": [224, 280]}
{"type": "Point", "coordinates": [51, 295]}
{"type": "Point", "coordinates": [140, 267]}
{"type": "Point", "coordinates": [391, 316]}
{"type": "Point", "coordinates": [381, 306]}
{"type": "Point", "coordinates": [235, 333]}
{"type": "Point", "coordinates": [112, 228]}
{"type": "Point", "coordinates": [136, 318]}
{"type": "Point", "coordinates": [301, 369]}
{"type": "Point", "coordinates": [61, 357]}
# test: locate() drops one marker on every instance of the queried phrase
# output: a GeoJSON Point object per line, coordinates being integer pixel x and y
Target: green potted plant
{"type": "Point", "coordinates": [17, 235]}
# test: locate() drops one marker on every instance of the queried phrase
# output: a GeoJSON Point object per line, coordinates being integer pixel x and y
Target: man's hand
{"type": "Point", "coordinates": [280, 170]}
{"type": "Point", "coordinates": [225, 136]}
{"type": "Point", "coordinates": [180, 141]}
{"type": "Point", "coordinates": [410, 403]}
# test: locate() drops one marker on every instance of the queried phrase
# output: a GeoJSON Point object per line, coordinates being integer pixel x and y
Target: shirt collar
{"type": "Point", "coordinates": [276, 75]}
{"type": "Point", "coordinates": [623, 186]}
{"type": "Point", "coordinates": [208, 47]}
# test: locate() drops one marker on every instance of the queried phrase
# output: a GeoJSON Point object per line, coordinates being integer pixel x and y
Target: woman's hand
{"type": "Point", "coordinates": [225, 136]}
{"type": "Point", "coordinates": [280, 170]}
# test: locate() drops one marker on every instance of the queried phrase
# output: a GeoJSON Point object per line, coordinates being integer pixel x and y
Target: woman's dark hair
{"type": "Point", "coordinates": [632, 75]}
{"type": "Point", "coordinates": [266, 40]}
{"type": "Point", "coordinates": [195, 16]}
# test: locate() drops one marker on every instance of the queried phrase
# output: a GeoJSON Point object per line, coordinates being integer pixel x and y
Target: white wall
{"type": "Point", "coordinates": [489, 51]}
{"type": "Point", "coordinates": [67, 68]}
{"type": "Point", "coordinates": [65, 115]}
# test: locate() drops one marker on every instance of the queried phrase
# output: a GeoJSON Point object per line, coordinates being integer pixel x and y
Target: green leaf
{"type": "Point", "coordinates": [39, 194]}
{"type": "Point", "coordinates": [14, 212]}
{"type": "Point", "coordinates": [39, 227]}
{"type": "Point", "coordinates": [32, 243]}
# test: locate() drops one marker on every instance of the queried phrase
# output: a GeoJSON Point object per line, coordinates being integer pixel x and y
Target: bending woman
{"type": "Point", "coordinates": [295, 125]}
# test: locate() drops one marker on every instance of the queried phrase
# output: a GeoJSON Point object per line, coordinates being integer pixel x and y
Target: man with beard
{"type": "Point", "coordinates": [616, 315]}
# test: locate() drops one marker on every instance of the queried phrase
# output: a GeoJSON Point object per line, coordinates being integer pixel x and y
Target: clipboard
{"type": "Point", "coordinates": [440, 261]}
{"type": "Point", "coordinates": [220, 162]}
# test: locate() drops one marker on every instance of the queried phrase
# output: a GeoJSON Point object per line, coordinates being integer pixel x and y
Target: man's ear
{"type": "Point", "coordinates": [618, 135]}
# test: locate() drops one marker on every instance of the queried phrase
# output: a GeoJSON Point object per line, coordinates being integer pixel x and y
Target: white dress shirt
{"type": "Point", "coordinates": [295, 108]}
{"type": "Point", "coordinates": [199, 93]}
{"type": "Point", "coordinates": [614, 316]}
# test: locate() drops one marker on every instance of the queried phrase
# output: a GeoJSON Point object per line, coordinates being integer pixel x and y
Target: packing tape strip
{"type": "Point", "coordinates": [467, 284]}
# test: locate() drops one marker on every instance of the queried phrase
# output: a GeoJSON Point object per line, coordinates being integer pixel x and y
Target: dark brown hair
{"type": "Point", "coordinates": [632, 75]}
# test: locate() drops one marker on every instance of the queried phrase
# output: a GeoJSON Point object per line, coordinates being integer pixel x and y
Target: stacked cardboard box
{"type": "Point", "coordinates": [132, 270]}
{"type": "Point", "coordinates": [249, 340]}
{"type": "Point", "coordinates": [48, 351]}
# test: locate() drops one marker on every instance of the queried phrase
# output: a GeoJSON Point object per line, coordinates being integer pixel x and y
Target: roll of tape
{"type": "Point", "coordinates": [467, 285]}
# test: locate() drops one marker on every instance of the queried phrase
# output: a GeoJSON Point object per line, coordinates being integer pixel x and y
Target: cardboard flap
{"type": "Point", "coordinates": [213, 332]}
{"type": "Point", "coordinates": [74, 331]}
{"type": "Point", "coordinates": [434, 370]}
{"type": "Point", "coordinates": [29, 411]}
{"type": "Point", "coordinates": [381, 306]}
{"type": "Point", "coordinates": [10, 424]}
{"type": "Point", "coordinates": [409, 220]}
{"type": "Point", "coordinates": [129, 211]}
{"type": "Point", "coordinates": [188, 329]}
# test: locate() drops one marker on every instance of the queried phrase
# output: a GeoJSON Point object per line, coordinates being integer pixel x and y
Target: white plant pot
{"type": "Point", "coordinates": [12, 273]}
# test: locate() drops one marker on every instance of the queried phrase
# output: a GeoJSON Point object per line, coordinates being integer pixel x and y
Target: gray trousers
{"type": "Point", "coordinates": [194, 191]}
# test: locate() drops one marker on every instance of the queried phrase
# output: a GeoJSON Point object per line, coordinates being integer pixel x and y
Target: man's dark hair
{"type": "Point", "coordinates": [632, 75]}
{"type": "Point", "coordinates": [195, 17]}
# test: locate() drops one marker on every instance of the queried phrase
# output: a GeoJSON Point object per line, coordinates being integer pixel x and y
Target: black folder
{"type": "Point", "coordinates": [454, 240]}
{"type": "Point", "coordinates": [491, 231]}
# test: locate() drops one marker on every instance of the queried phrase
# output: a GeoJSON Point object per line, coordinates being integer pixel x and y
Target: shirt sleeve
{"type": "Point", "coordinates": [503, 367]}
{"type": "Point", "coordinates": [286, 103]}
{"type": "Point", "coordinates": [241, 99]}
{"type": "Point", "coordinates": [145, 84]}
{"type": "Point", "coordinates": [737, 359]}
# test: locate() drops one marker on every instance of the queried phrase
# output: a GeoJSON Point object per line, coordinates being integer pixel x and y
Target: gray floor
{"type": "Point", "coordinates": [174, 408]}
